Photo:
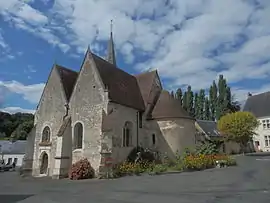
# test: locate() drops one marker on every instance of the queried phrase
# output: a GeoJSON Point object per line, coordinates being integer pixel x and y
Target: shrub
{"type": "Point", "coordinates": [200, 162]}
{"type": "Point", "coordinates": [129, 168]}
{"type": "Point", "coordinates": [207, 148]}
{"type": "Point", "coordinates": [159, 168]}
{"type": "Point", "coordinates": [145, 155]}
{"type": "Point", "coordinates": [82, 169]}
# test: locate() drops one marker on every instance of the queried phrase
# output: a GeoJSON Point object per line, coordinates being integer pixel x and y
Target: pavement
{"type": "Point", "coordinates": [248, 182]}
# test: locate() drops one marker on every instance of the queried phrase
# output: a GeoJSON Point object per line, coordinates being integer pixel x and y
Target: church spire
{"type": "Point", "coordinates": [111, 53]}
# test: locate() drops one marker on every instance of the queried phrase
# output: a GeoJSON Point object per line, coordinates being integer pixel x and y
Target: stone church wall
{"type": "Point", "coordinates": [49, 113]}
{"type": "Point", "coordinates": [86, 105]}
{"type": "Point", "coordinates": [119, 116]}
{"type": "Point", "coordinates": [178, 134]}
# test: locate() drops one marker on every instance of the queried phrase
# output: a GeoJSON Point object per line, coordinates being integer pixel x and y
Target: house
{"type": "Point", "coordinates": [259, 106]}
{"type": "Point", "coordinates": [207, 130]}
{"type": "Point", "coordinates": [102, 113]}
{"type": "Point", "coordinates": [12, 151]}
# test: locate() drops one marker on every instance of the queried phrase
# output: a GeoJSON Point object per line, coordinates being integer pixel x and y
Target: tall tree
{"type": "Point", "coordinates": [224, 97]}
{"type": "Point", "coordinates": [207, 115]}
{"type": "Point", "coordinates": [179, 94]}
{"type": "Point", "coordinates": [184, 102]}
{"type": "Point", "coordinates": [213, 100]}
{"type": "Point", "coordinates": [172, 94]}
{"type": "Point", "coordinates": [201, 100]}
{"type": "Point", "coordinates": [196, 105]}
{"type": "Point", "coordinates": [190, 98]}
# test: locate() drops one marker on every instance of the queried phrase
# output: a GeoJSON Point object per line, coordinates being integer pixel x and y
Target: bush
{"type": "Point", "coordinates": [146, 155]}
{"type": "Point", "coordinates": [159, 168]}
{"type": "Point", "coordinates": [82, 169]}
{"type": "Point", "coordinates": [129, 168]}
{"type": "Point", "coordinates": [200, 162]}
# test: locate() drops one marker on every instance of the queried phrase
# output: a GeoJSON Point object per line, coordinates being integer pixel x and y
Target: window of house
{"type": "Point", "coordinates": [78, 136]}
{"type": "Point", "coordinates": [127, 136]}
{"type": "Point", "coordinates": [9, 161]}
{"type": "Point", "coordinates": [46, 134]}
{"type": "Point", "coordinates": [267, 140]}
{"type": "Point", "coordinates": [153, 139]}
{"type": "Point", "coordinates": [15, 160]}
{"type": "Point", "coordinates": [266, 124]}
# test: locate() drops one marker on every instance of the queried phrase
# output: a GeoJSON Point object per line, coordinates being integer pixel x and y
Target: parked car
{"type": "Point", "coordinates": [4, 167]}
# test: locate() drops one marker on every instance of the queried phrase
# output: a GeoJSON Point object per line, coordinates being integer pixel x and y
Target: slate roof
{"type": "Point", "coordinates": [169, 107]}
{"type": "Point", "coordinates": [145, 81]}
{"type": "Point", "coordinates": [68, 78]}
{"type": "Point", "coordinates": [209, 127]}
{"type": "Point", "coordinates": [122, 87]}
{"type": "Point", "coordinates": [258, 104]}
{"type": "Point", "coordinates": [8, 147]}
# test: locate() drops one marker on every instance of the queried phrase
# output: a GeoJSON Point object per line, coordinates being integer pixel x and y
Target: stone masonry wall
{"type": "Point", "coordinates": [50, 113]}
{"type": "Point", "coordinates": [87, 103]}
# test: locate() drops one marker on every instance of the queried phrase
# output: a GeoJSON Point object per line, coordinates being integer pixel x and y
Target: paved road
{"type": "Point", "coordinates": [248, 182]}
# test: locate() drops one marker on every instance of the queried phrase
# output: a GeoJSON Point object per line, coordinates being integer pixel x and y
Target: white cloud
{"type": "Point", "coordinates": [21, 15]}
{"type": "Point", "coordinates": [2, 42]}
{"type": "Point", "coordinates": [31, 93]}
{"type": "Point", "coordinates": [13, 110]}
{"type": "Point", "coordinates": [187, 41]}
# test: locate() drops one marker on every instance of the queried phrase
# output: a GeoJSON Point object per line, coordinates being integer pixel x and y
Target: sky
{"type": "Point", "coordinates": [189, 42]}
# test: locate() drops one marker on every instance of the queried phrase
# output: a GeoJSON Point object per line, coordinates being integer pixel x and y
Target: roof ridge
{"type": "Point", "coordinates": [144, 73]}
{"type": "Point", "coordinates": [114, 66]}
{"type": "Point", "coordinates": [65, 68]}
{"type": "Point", "coordinates": [259, 94]}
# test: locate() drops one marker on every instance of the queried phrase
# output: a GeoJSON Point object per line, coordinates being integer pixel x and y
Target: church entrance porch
{"type": "Point", "coordinates": [44, 164]}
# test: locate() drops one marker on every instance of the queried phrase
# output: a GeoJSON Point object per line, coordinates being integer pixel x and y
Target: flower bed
{"type": "Point", "coordinates": [201, 162]}
{"type": "Point", "coordinates": [187, 163]}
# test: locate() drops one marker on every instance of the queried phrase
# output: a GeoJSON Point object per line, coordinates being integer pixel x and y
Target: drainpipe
{"type": "Point", "coordinates": [67, 108]}
{"type": "Point", "coordinates": [137, 129]}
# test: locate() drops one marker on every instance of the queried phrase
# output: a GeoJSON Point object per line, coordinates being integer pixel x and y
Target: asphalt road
{"type": "Point", "coordinates": [247, 182]}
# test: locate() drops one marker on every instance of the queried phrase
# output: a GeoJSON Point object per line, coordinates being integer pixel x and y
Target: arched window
{"type": "Point", "coordinates": [46, 134]}
{"type": "Point", "coordinates": [78, 136]}
{"type": "Point", "coordinates": [127, 134]}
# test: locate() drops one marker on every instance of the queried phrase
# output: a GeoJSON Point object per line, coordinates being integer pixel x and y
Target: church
{"type": "Point", "coordinates": [102, 113]}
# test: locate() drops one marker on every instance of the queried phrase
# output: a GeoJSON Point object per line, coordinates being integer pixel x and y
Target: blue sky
{"type": "Point", "coordinates": [187, 41]}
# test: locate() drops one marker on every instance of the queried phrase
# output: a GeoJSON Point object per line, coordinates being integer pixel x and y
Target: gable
{"type": "Point", "coordinates": [68, 79]}
{"type": "Point", "coordinates": [150, 88]}
{"type": "Point", "coordinates": [53, 90]}
{"type": "Point", "coordinates": [258, 105]}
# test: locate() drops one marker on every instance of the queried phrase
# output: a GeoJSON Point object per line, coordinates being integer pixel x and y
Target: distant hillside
{"type": "Point", "coordinates": [16, 126]}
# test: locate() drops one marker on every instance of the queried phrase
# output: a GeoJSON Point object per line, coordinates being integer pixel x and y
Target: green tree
{"type": "Point", "coordinates": [196, 105]}
{"type": "Point", "coordinates": [179, 94]}
{"type": "Point", "coordinates": [201, 100]}
{"type": "Point", "coordinates": [172, 94]}
{"type": "Point", "coordinates": [213, 100]}
{"type": "Point", "coordinates": [207, 115]}
{"type": "Point", "coordinates": [184, 102]}
{"type": "Point", "coordinates": [190, 98]}
{"type": "Point", "coordinates": [238, 127]}
{"type": "Point", "coordinates": [10, 122]}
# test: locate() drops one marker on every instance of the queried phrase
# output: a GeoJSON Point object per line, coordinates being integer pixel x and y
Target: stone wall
{"type": "Point", "coordinates": [27, 164]}
{"type": "Point", "coordinates": [118, 117]}
{"type": "Point", "coordinates": [87, 103]}
{"type": "Point", "coordinates": [176, 136]}
{"type": "Point", "coordinates": [49, 113]}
